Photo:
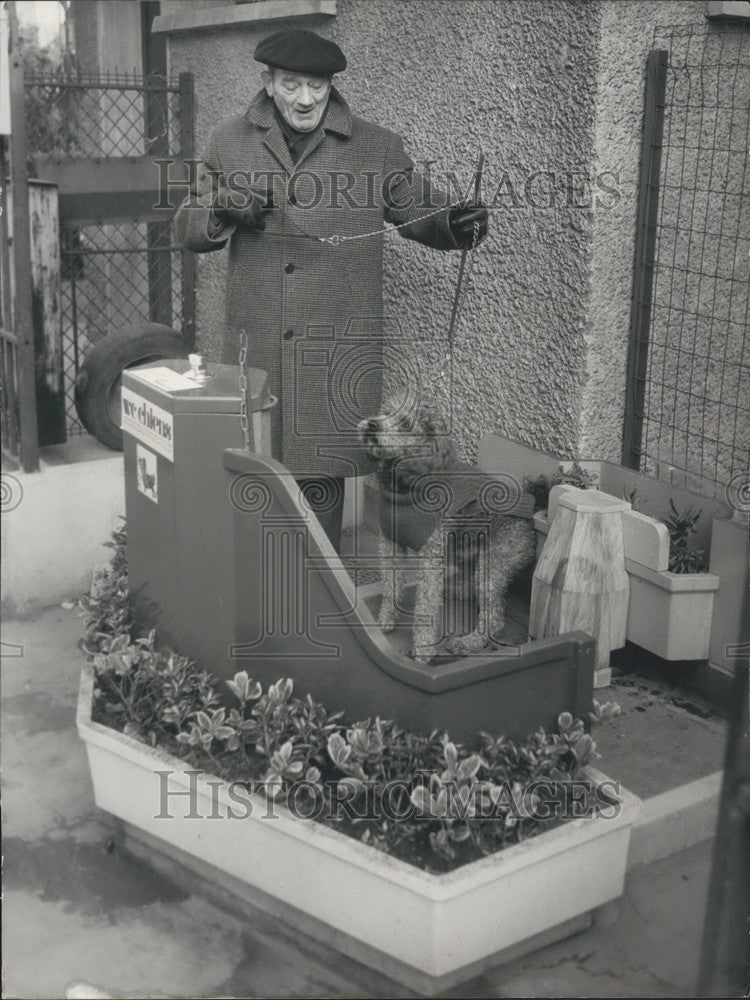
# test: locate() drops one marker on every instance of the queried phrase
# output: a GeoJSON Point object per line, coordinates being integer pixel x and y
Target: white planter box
{"type": "Point", "coordinates": [433, 926]}
{"type": "Point", "coordinates": [670, 614]}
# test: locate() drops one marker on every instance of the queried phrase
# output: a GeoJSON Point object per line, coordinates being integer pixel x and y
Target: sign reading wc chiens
{"type": "Point", "coordinates": [148, 423]}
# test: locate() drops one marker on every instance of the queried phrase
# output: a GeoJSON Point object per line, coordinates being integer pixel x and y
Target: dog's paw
{"type": "Point", "coordinates": [465, 645]}
{"type": "Point", "coordinates": [422, 655]}
{"type": "Point", "coordinates": [387, 627]}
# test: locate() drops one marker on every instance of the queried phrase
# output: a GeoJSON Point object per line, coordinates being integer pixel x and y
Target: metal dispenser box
{"type": "Point", "coordinates": [180, 542]}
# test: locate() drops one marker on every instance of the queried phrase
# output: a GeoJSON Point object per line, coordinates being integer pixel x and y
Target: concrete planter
{"type": "Point", "coordinates": [670, 614]}
{"type": "Point", "coordinates": [428, 931]}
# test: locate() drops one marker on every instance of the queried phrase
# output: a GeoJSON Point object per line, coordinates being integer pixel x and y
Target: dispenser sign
{"type": "Point", "coordinates": [148, 423]}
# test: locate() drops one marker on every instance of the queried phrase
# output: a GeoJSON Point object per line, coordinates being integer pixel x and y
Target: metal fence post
{"type": "Point", "coordinates": [187, 151]}
{"type": "Point", "coordinates": [645, 245]}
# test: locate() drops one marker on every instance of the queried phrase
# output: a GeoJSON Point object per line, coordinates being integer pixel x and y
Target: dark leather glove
{"type": "Point", "coordinates": [246, 207]}
{"type": "Point", "coordinates": [461, 221]}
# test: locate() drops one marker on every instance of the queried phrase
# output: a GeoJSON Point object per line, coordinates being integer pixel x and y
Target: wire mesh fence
{"type": "Point", "coordinates": [696, 399]}
{"type": "Point", "coordinates": [113, 274]}
{"type": "Point", "coordinates": [100, 115]}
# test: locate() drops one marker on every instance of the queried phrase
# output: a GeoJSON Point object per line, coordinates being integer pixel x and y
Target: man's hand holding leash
{"type": "Point", "coordinates": [242, 208]}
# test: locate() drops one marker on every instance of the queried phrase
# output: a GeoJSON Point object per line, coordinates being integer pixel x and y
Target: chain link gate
{"type": "Point", "coordinates": [687, 414]}
{"type": "Point", "coordinates": [99, 137]}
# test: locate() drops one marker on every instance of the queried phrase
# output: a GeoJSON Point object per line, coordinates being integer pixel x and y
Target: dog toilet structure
{"type": "Point", "coordinates": [235, 571]}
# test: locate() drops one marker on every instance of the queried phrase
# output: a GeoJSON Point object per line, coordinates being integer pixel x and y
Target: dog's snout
{"type": "Point", "coordinates": [371, 426]}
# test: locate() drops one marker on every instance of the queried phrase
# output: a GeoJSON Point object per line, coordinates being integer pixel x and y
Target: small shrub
{"type": "Point", "coordinates": [540, 486]}
{"type": "Point", "coordinates": [632, 497]}
{"type": "Point", "coordinates": [575, 476]}
{"type": "Point", "coordinates": [683, 556]}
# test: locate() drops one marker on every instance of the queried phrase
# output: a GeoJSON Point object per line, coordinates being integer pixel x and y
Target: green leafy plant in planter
{"type": "Point", "coordinates": [540, 486]}
{"type": "Point", "coordinates": [423, 798]}
{"type": "Point", "coordinates": [683, 556]}
{"type": "Point", "coordinates": [632, 496]}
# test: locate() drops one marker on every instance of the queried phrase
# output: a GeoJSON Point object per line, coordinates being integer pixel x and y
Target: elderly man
{"type": "Point", "coordinates": [300, 188]}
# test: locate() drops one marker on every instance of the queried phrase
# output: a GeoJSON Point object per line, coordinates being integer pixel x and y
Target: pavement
{"type": "Point", "coordinates": [78, 909]}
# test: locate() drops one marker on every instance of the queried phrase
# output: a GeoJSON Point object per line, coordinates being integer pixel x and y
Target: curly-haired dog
{"type": "Point", "coordinates": [472, 531]}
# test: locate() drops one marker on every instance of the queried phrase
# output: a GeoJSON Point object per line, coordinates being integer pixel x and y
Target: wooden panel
{"type": "Point", "coordinates": [115, 189]}
{"type": "Point", "coordinates": [22, 326]}
{"type": "Point", "coordinates": [46, 312]}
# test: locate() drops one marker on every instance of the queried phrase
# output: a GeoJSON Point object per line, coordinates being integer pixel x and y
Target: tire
{"type": "Point", "coordinates": [97, 391]}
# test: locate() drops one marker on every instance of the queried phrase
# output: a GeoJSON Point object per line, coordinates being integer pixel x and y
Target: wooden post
{"type": "Point", "coordinates": [46, 311]}
{"type": "Point", "coordinates": [156, 122]}
{"type": "Point", "coordinates": [580, 582]}
{"type": "Point", "coordinates": [21, 234]}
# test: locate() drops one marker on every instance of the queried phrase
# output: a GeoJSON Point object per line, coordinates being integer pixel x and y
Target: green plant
{"type": "Point", "coordinates": [575, 476]}
{"type": "Point", "coordinates": [153, 693]}
{"type": "Point", "coordinates": [107, 607]}
{"type": "Point", "coordinates": [424, 798]}
{"type": "Point", "coordinates": [539, 487]}
{"type": "Point", "coordinates": [632, 497]}
{"type": "Point", "coordinates": [683, 556]}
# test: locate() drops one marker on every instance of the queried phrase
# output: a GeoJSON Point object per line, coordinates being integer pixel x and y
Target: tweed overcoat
{"type": "Point", "coordinates": [313, 312]}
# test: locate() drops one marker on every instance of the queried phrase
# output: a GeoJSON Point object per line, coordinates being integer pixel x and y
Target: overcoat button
{"type": "Point", "coordinates": [288, 334]}
{"type": "Point", "coordinates": [289, 268]}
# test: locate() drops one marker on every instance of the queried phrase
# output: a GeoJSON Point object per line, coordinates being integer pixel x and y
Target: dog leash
{"type": "Point", "coordinates": [462, 269]}
{"type": "Point", "coordinates": [337, 241]}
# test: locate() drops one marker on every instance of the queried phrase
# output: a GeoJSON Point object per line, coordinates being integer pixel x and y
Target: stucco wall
{"type": "Point", "coordinates": [519, 80]}
{"type": "Point", "coordinates": [541, 346]}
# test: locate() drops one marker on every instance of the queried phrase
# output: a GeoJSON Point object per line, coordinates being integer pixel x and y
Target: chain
{"type": "Point", "coordinates": [243, 390]}
{"type": "Point", "coordinates": [336, 240]}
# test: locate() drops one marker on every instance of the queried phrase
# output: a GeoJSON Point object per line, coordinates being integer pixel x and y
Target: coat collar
{"type": "Point", "coordinates": [337, 118]}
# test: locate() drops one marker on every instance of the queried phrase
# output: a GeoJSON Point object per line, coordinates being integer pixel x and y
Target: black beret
{"type": "Point", "coordinates": [301, 51]}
